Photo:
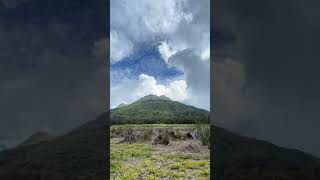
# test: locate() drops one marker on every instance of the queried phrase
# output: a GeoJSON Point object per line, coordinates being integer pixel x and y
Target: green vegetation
{"type": "Point", "coordinates": [154, 110]}
{"type": "Point", "coordinates": [154, 138]}
{"type": "Point", "coordinates": [168, 126]}
{"type": "Point", "coordinates": [183, 158]}
{"type": "Point", "coordinates": [247, 158]}
{"type": "Point", "coordinates": [135, 161]}
{"type": "Point", "coordinates": [76, 155]}
{"type": "Point", "coordinates": [203, 131]}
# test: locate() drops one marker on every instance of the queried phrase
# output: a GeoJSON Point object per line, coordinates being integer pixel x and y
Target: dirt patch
{"type": "Point", "coordinates": [193, 148]}
{"type": "Point", "coordinates": [130, 138]}
{"type": "Point", "coordinates": [185, 146]}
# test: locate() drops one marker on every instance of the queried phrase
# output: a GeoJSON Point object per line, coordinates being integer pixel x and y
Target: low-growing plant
{"type": "Point", "coordinates": [191, 164]}
{"type": "Point", "coordinates": [203, 131]}
{"type": "Point", "coordinates": [176, 165]}
{"type": "Point", "coordinates": [204, 172]}
{"type": "Point", "coordinates": [115, 167]}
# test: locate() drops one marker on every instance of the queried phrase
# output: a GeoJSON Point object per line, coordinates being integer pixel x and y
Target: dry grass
{"type": "Point", "coordinates": [180, 159]}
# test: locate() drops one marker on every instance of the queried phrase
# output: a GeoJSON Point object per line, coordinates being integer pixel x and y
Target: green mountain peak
{"type": "Point", "coordinates": [158, 109]}
{"type": "Point", "coordinates": [121, 105]}
{"type": "Point", "coordinates": [152, 97]}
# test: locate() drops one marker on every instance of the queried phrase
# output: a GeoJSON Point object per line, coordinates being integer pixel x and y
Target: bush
{"type": "Point", "coordinates": [175, 134]}
{"type": "Point", "coordinates": [162, 138]}
{"type": "Point", "coordinates": [129, 136]}
{"type": "Point", "coordinates": [116, 132]}
{"type": "Point", "coordinates": [203, 131]}
{"type": "Point", "coordinates": [147, 134]}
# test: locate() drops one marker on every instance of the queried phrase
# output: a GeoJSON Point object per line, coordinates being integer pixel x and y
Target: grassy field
{"type": "Point", "coordinates": [184, 157]}
{"type": "Point", "coordinates": [172, 126]}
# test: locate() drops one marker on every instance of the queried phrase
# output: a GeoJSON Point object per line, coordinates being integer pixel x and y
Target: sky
{"type": "Point", "coordinates": [265, 63]}
{"type": "Point", "coordinates": [52, 66]}
{"type": "Point", "coordinates": [266, 70]}
{"type": "Point", "coordinates": [161, 48]}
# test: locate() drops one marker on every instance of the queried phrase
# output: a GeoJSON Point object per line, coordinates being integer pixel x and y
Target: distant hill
{"type": "Point", "coordinates": [238, 157]}
{"type": "Point", "coordinates": [158, 109]}
{"type": "Point", "coordinates": [77, 155]}
{"type": "Point", "coordinates": [80, 155]}
{"type": "Point", "coordinates": [121, 105]}
{"type": "Point", "coordinates": [36, 138]}
{"type": "Point", "coordinates": [2, 147]}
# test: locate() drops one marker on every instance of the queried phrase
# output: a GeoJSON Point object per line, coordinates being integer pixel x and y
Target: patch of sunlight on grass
{"type": "Point", "coordinates": [176, 166]}
{"type": "Point", "coordinates": [126, 151]}
{"type": "Point", "coordinates": [143, 161]}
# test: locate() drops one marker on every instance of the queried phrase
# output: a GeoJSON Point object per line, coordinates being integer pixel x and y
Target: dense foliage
{"type": "Point", "coordinates": [153, 109]}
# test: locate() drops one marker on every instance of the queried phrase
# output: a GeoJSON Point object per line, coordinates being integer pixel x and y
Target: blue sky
{"type": "Point", "coordinates": [160, 48]}
{"type": "Point", "coordinates": [147, 60]}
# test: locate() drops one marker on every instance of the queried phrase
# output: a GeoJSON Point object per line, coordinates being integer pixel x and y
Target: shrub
{"type": "Point", "coordinates": [147, 134]}
{"type": "Point", "coordinates": [162, 137]}
{"type": "Point", "coordinates": [129, 136]}
{"type": "Point", "coordinates": [203, 131]}
{"type": "Point", "coordinates": [116, 132]}
{"type": "Point", "coordinates": [175, 134]}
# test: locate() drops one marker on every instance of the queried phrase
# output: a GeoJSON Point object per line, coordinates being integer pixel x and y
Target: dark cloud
{"type": "Point", "coordinates": [194, 68]}
{"type": "Point", "coordinates": [52, 65]}
{"type": "Point", "coordinates": [277, 44]}
{"type": "Point", "coordinates": [11, 3]}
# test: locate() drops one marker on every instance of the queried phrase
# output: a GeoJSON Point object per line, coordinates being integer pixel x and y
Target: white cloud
{"type": "Point", "coordinates": [182, 29]}
{"type": "Point", "coordinates": [182, 24]}
{"type": "Point", "coordinates": [197, 76]}
{"type": "Point", "coordinates": [146, 19]}
{"type": "Point", "coordinates": [130, 90]}
{"type": "Point", "coordinates": [205, 54]}
{"type": "Point", "coordinates": [193, 34]}
{"type": "Point", "coordinates": [166, 51]}
{"type": "Point", "coordinates": [120, 47]}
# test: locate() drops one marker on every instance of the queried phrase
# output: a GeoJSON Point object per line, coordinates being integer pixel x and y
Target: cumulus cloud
{"type": "Point", "coordinates": [166, 51]}
{"type": "Point", "coordinates": [52, 72]}
{"type": "Point", "coordinates": [196, 74]}
{"type": "Point", "coordinates": [231, 95]}
{"type": "Point", "coordinates": [182, 29]}
{"type": "Point", "coordinates": [276, 44]}
{"type": "Point", "coordinates": [133, 22]}
{"type": "Point", "coordinates": [147, 19]}
{"type": "Point", "coordinates": [130, 90]}
{"type": "Point", "coordinates": [179, 24]}
{"type": "Point", "coordinates": [193, 34]}
{"type": "Point", "coordinates": [120, 47]}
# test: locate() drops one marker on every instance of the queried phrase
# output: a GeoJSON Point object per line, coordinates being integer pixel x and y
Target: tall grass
{"type": "Point", "coordinates": [203, 131]}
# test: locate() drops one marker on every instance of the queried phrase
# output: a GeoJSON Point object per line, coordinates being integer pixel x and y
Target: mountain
{"type": "Point", "coordinates": [238, 157]}
{"type": "Point", "coordinates": [158, 109]}
{"type": "Point", "coordinates": [2, 147]}
{"type": "Point", "coordinates": [121, 105]}
{"type": "Point", "coordinates": [152, 97]}
{"type": "Point", "coordinates": [77, 155]}
{"type": "Point", "coordinates": [36, 138]}
{"type": "Point", "coordinates": [80, 155]}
